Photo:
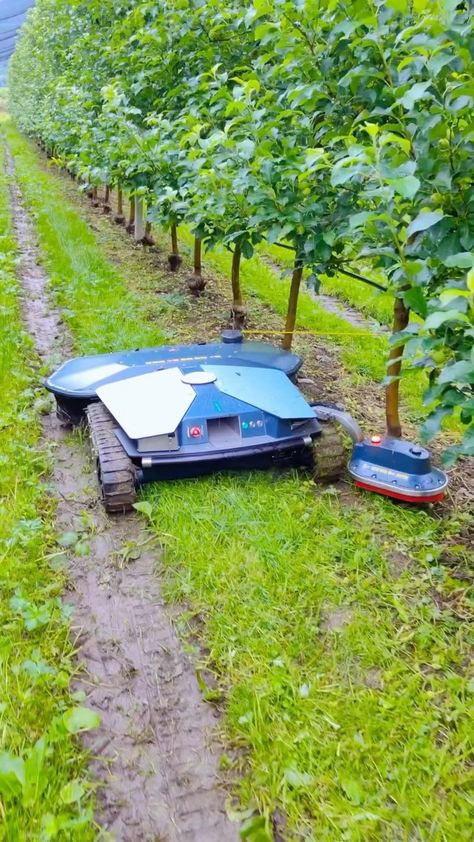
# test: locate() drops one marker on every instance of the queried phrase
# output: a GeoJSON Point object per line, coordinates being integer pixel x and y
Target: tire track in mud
{"type": "Point", "coordinates": [155, 755]}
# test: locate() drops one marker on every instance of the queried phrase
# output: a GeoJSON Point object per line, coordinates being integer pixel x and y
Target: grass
{"type": "Point", "coordinates": [43, 790]}
{"type": "Point", "coordinates": [332, 624]}
{"type": "Point", "coordinates": [345, 681]}
{"type": "Point", "coordinates": [96, 304]}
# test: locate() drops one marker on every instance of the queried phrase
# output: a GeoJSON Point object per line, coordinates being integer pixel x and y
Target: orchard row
{"type": "Point", "coordinates": [340, 130]}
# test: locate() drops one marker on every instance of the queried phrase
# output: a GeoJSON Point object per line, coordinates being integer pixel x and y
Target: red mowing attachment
{"type": "Point", "coordinates": [425, 498]}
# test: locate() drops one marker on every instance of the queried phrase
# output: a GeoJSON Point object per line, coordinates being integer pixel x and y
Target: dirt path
{"type": "Point", "coordinates": [155, 753]}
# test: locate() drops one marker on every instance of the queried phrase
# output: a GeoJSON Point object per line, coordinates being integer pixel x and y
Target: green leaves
{"type": "Point", "coordinates": [297, 779]}
{"type": "Point", "coordinates": [415, 299]}
{"type": "Point", "coordinates": [423, 221]}
{"type": "Point", "coordinates": [25, 778]}
{"type": "Point", "coordinates": [72, 792]}
{"type": "Point", "coordinates": [461, 260]}
{"type": "Point", "coordinates": [80, 719]}
{"type": "Point", "coordinates": [145, 508]}
{"type": "Point", "coordinates": [417, 91]}
{"type": "Point", "coordinates": [12, 775]}
{"type": "Point", "coordinates": [406, 186]}
{"type": "Point", "coordinates": [440, 317]}
{"type": "Point", "coordinates": [460, 372]}
{"type": "Point", "coordinates": [352, 790]}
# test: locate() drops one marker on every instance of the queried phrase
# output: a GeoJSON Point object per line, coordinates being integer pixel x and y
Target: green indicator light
{"type": "Point", "coordinates": [245, 425]}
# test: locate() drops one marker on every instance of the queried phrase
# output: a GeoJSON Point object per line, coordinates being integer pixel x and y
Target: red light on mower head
{"type": "Point", "coordinates": [195, 432]}
{"type": "Point", "coordinates": [376, 439]}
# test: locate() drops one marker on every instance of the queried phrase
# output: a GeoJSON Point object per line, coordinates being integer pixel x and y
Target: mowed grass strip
{"type": "Point", "coordinates": [334, 630]}
{"type": "Point", "coordinates": [43, 790]}
{"type": "Point", "coordinates": [344, 672]}
{"type": "Point", "coordinates": [96, 304]}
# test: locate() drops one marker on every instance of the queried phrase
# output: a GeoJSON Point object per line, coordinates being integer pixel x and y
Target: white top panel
{"type": "Point", "coordinates": [148, 405]}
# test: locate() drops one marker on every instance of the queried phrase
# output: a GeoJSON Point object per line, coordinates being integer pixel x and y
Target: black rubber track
{"type": "Point", "coordinates": [329, 454]}
{"type": "Point", "coordinates": [116, 472]}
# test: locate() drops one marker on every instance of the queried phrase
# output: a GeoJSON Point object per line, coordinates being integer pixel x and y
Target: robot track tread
{"type": "Point", "coordinates": [115, 470]}
{"type": "Point", "coordinates": [329, 454]}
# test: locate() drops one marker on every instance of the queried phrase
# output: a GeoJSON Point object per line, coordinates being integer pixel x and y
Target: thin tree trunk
{"type": "Point", "coordinates": [239, 311]}
{"type": "Point", "coordinates": [174, 240]}
{"type": "Point", "coordinates": [95, 198]}
{"type": "Point", "coordinates": [174, 258]}
{"type": "Point", "coordinates": [401, 316]}
{"type": "Point", "coordinates": [196, 282]}
{"type": "Point", "coordinates": [235, 278]}
{"type": "Point", "coordinates": [119, 217]}
{"type": "Point", "coordinates": [292, 305]}
{"type": "Point", "coordinates": [106, 207]}
{"type": "Point", "coordinates": [197, 257]}
{"type": "Point", "coordinates": [148, 239]}
{"type": "Point", "coordinates": [131, 216]}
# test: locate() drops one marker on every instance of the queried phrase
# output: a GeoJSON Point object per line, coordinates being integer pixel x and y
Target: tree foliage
{"type": "Point", "coordinates": [343, 129]}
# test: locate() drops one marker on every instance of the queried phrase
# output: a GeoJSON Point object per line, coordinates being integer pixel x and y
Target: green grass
{"type": "Point", "coordinates": [41, 765]}
{"type": "Point", "coordinates": [96, 304]}
{"type": "Point", "coordinates": [333, 626]}
{"type": "Point", "coordinates": [345, 681]}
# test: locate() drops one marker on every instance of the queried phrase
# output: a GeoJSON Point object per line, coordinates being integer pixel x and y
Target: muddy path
{"type": "Point", "coordinates": [155, 754]}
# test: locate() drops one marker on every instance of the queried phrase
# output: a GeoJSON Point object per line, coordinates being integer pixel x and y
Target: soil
{"type": "Point", "coordinates": [155, 754]}
{"type": "Point", "coordinates": [335, 620]}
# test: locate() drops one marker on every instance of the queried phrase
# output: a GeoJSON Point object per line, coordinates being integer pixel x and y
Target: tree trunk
{"type": "Point", "coordinates": [197, 257]}
{"type": "Point", "coordinates": [95, 198]}
{"type": "Point", "coordinates": [148, 239]}
{"type": "Point", "coordinates": [174, 258]}
{"type": "Point", "coordinates": [235, 278]}
{"type": "Point", "coordinates": [139, 229]}
{"type": "Point", "coordinates": [238, 311]}
{"type": "Point", "coordinates": [401, 316]}
{"type": "Point", "coordinates": [131, 216]}
{"type": "Point", "coordinates": [174, 240]}
{"type": "Point", "coordinates": [196, 282]}
{"type": "Point", "coordinates": [106, 207]}
{"type": "Point", "coordinates": [119, 217]}
{"type": "Point", "coordinates": [292, 305]}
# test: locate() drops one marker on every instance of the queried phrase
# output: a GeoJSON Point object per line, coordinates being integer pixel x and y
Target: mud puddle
{"type": "Point", "coordinates": [155, 755]}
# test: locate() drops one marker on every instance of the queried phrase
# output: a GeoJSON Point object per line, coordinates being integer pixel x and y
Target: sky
{"type": "Point", "coordinates": [12, 15]}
